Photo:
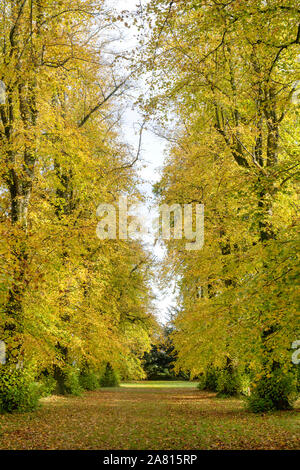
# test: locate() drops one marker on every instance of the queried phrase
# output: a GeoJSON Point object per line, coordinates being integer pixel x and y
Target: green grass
{"type": "Point", "coordinates": [148, 415]}
{"type": "Point", "coordinates": [160, 384]}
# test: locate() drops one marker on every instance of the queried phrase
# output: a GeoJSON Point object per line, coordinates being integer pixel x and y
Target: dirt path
{"type": "Point", "coordinates": [148, 418]}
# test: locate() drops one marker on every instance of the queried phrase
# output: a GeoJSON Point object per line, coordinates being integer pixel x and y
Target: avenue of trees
{"type": "Point", "coordinates": [77, 312]}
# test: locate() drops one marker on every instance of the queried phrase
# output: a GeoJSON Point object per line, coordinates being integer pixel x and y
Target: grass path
{"type": "Point", "coordinates": [142, 416]}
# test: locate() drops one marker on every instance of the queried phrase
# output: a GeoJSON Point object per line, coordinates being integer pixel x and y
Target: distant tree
{"type": "Point", "coordinates": [158, 363]}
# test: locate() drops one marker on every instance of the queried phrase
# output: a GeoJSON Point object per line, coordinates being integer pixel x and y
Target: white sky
{"type": "Point", "coordinates": [151, 160]}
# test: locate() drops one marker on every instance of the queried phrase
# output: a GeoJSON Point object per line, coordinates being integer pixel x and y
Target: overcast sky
{"type": "Point", "coordinates": [152, 156]}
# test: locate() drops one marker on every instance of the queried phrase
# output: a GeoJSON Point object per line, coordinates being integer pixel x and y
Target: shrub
{"type": "Point", "coordinates": [228, 383]}
{"type": "Point", "coordinates": [202, 382]}
{"type": "Point", "coordinates": [259, 405]}
{"type": "Point", "coordinates": [88, 380]}
{"type": "Point", "coordinates": [109, 378]}
{"type": "Point", "coordinates": [71, 381]}
{"type": "Point", "coordinates": [273, 391]}
{"type": "Point", "coordinates": [18, 391]}
{"type": "Point", "coordinates": [208, 380]}
{"type": "Point", "coordinates": [48, 384]}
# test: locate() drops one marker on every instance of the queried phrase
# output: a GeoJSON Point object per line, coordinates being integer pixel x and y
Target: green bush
{"type": "Point", "coordinates": [88, 380]}
{"type": "Point", "coordinates": [18, 391]}
{"type": "Point", "coordinates": [47, 384]}
{"type": "Point", "coordinates": [228, 383]}
{"type": "Point", "coordinates": [208, 380]}
{"type": "Point", "coordinates": [259, 405]}
{"type": "Point", "coordinates": [211, 379]}
{"type": "Point", "coordinates": [109, 378]}
{"type": "Point", "coordinates": [202, 382]}
{"type": "Point", "coordinates": [274, 391]}
{"type": "Point", "coordinates": [72, 382]}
